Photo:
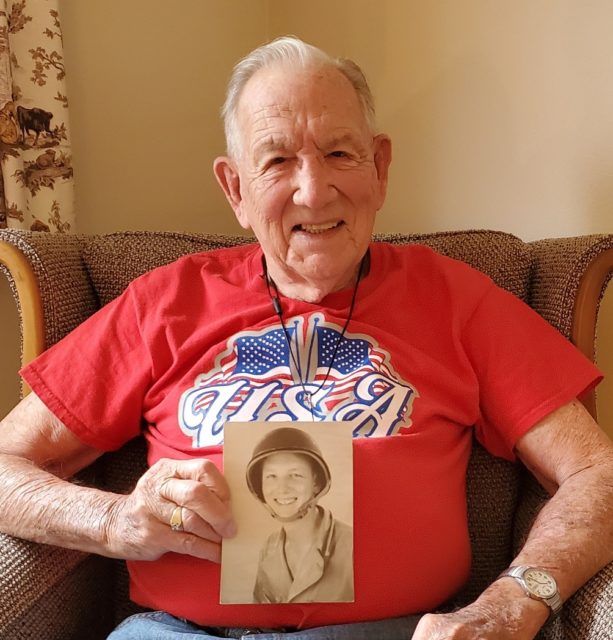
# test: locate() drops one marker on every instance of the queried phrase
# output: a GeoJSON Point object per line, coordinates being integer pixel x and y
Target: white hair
{"type": "Point", "coordinates": [293, 51]}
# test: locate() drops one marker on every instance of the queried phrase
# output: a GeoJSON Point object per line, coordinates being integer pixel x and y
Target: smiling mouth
{"type": "Point", "coordinates": [318, 228]}
{"type": "Point", "coordinates": [285, 501]}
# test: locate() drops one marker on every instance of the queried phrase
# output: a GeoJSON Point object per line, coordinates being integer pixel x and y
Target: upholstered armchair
{"type": "Point", "coordinates": [48, 593]}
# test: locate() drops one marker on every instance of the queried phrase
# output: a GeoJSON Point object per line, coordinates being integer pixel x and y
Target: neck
{"type": "Point", "coordinates": [297, 287]}
{"type": "Point", "coordinates": [303, 528]}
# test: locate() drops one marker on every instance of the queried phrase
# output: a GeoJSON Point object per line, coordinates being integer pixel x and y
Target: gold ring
{"type": "Point", "coordinates": [176, 519]}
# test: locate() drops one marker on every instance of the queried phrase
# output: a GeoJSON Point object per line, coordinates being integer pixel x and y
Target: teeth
{"type": "Point", "coordinates": [318, 228]}
{"type": "Point", "coordinates": [285, 501]}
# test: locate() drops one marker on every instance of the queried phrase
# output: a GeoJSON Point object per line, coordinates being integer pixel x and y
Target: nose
{"type": "Point", "coordinates": [284, 485]}
{"type": "Point", "coordinates": [313, 187]}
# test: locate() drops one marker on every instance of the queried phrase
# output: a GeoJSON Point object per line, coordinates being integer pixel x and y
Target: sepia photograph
{"type": "Point", "coordinates": [291, 488]}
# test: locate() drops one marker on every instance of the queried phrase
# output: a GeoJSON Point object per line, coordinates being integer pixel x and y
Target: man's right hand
{"type": "Point", "coordinates": [138, 525]}
{"type": "Point", "coordinates": [37, 452]}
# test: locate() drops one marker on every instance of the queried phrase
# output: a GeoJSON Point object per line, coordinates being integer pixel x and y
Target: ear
{"type": "Point", "coordinates": [383, 158]}
{"type": "Point", "coordinates": [228, 178]}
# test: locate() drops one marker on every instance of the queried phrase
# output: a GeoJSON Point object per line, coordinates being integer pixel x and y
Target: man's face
{"type": "Point", "coordinates": [288, 482]}
{"type": "Point", "coordinates": [310, 176]}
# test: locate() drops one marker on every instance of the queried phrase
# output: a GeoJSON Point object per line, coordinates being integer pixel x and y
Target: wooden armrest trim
{"type": "Point", "coordinates": [585, 314]}
{"type": "Point", "coordinates": [30, 304]}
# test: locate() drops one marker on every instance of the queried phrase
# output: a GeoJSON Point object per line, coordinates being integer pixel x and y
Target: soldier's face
{"type": "Point", "coordinates": [288, 482]}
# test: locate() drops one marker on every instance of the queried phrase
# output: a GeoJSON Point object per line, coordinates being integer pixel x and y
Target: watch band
{"type": "Point", "coordinates": [554, 601]}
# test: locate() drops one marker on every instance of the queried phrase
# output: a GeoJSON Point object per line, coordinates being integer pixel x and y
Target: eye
{"type": "Point", "coordinates": [338, 154]}
{"type": "Point", "coordinates": [274, 163]}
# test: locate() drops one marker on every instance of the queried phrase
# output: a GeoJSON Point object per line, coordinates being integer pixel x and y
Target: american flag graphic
{"type": "Point", "coordinates": [263, 375]}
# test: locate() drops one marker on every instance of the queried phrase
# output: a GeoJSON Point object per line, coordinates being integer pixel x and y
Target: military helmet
{"type": "Point", "coordinates": [292, 440]}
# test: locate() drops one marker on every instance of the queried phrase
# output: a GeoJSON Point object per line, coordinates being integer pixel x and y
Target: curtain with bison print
{"type": "Point", "coordinates": [36, 182]}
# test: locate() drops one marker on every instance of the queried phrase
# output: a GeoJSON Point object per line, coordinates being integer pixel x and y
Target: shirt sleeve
{"type": "Point", "coordinates": [526, 369]}
{"type": "Point", "coordinates": [95, 379]}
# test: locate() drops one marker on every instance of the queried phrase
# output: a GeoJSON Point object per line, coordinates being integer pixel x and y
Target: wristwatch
{"type": "Point", "coordinates": [538, 584]}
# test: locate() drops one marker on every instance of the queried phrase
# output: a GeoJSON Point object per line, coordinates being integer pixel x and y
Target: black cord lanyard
{"type": "Point", "coordinates": [276, 305]}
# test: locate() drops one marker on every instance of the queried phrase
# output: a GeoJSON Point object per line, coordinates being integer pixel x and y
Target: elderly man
{"type": "Point", "coordinates": [313, 323]}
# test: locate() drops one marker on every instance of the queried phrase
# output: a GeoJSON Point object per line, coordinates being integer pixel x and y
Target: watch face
{"type": "Point", "coordinates": [540, 583]}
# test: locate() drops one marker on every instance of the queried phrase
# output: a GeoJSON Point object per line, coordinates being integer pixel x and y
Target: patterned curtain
{"type": "Point", "coordinates": [36, 181]}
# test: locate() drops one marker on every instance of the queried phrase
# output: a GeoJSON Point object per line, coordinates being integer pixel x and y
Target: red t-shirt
{"type": "Point", "coordinates": [434, 349]}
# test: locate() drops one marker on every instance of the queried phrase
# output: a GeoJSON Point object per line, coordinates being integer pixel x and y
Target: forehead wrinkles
{"type": "Point", "coordinates": [275, 128]}
{"type": "Point", "coordinates": [273, 118]}
{"type": "Point", "coordinates": [281, 110]}
{"type": "Point", "coordinates": [266, 126]}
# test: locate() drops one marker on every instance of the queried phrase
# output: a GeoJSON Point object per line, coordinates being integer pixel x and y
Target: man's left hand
{"type": "Point", "coordinates": [502, 612]}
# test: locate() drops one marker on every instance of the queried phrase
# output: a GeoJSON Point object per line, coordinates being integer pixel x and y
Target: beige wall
{"type": "Point", "coordinates": [500, 112]}
{"type": "Point", "coordinates": [146, 79]}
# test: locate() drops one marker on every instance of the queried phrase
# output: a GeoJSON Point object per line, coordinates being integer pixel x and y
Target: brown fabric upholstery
{"type": "Point", "coordinates": [502, 256]}
{"type": "Point", "coordinates": [559, 266]}
{"type": "Point", "coordinates": [68, 297]}
{"type": "Point", "coordinates": [70, 607]}
{"type": "Point", "coordinates": [77, 273]}
{"type": "Point", "coordinates": [114, 260]}
{"type": "Point", "coordinates": [25, 561]}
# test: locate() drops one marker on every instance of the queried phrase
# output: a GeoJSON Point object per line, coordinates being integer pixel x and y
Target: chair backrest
{"type": "Point", "coordinates": [112, 261]}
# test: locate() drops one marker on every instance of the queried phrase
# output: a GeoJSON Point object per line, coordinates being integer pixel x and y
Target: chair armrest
{"type": "Point", "coordinates": [587, 615]}
{"type": "Point", "coordinates": [36, 583]}
{"type": "Point", "coordinates": [50, 284]}
{"type": "Point", "coordinates": [569, 278]}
